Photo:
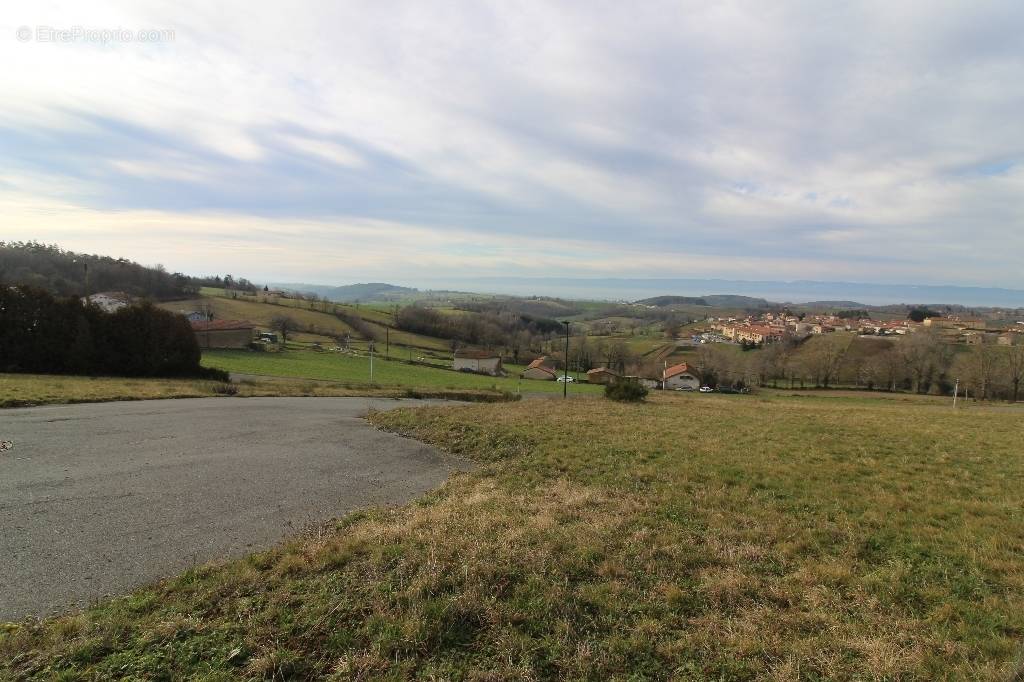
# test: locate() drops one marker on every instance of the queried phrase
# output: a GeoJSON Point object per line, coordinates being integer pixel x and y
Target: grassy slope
{"type": "Point", "coordinates": [356, 369]}
{"type": "Point", "coordinates": [20, 390]}
{"type": "Point", "coordinates": [261, 313]}
{"type": "Point", "coordinates": [696, 537]}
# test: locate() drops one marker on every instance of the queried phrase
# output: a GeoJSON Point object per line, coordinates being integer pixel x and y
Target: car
{"type": "Point", "coordinates": [706, 389]}
{"type": "Point", "coordinates": [686, 388]}
{"type": "Point", "coordinates": [565, 379]}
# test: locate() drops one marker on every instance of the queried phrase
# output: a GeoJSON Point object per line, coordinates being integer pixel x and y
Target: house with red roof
{"type": "Point", "coordinates": [601, 375]}
{"type": "Point", "coordinates": [680, 376]}
{"type": "Point", "coordinates": [541, 369]}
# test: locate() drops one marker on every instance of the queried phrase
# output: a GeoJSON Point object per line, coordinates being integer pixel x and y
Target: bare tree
{"type": "Point", "coordinates": [922, 353]}
{"type": "Point", "coordinates": [824, 359]}
{"type": "Point", "coordinates": [283, 325]}
{"type": "Point", "coordinates": [981, 365]}
{"type": "Point", "coordinates": [1015, 367]}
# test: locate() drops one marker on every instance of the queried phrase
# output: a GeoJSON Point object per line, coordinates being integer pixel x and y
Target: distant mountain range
{"type": "Point", "coordinates": [848, 294]}
{"type": "Point", "coordinates": [369, 291]}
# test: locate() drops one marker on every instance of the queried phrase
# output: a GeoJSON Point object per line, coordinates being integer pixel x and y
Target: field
{"type": "Point", "coordinates": [262, 313]}
{"type": "Point", "coordinates": [354, 369]}
{"type": "Point", "coordinates": [21, 390]}
{"type": "Point", "coordinates": [692, 538]}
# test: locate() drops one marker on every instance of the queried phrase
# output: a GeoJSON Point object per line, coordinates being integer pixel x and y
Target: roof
{"type": "Point", "coordinates": [543, 368]}
{"type": "Point", "coordinates": [220, 325]}
{"type": "Point", "coordinates": [672, 371]}
{"type": "Point", "coordinates": [601, 370]}
{"type": "Point", "coordinates": [542, 361]}
{"type": "Point", "coordinates": [477, 355]}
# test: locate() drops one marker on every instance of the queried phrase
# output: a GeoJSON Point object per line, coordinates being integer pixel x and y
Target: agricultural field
{"type": "Point", "coordinates": [262, 313]}
{"type": "Point", "coordinates": [771, 538]}
{"type": "Point", "coordinates": [355, 369]}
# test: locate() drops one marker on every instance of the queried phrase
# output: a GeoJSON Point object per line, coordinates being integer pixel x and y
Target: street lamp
{"type": "Point", "coordinates": [565, 378]}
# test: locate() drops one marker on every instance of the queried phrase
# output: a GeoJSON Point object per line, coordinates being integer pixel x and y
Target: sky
{"type": "Point", "coordinates": [338, 142]}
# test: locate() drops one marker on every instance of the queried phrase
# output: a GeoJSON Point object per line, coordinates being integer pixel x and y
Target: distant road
{"type": "Point", "coordinates": [96, 499]}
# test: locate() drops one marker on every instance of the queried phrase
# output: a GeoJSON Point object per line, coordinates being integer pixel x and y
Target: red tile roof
{"type": "Point", "coordinates": [539, 362]}
{"type": "Point", "coordinates": [601, 370]}
{"type": "Point", "coordinates": [670, 372]}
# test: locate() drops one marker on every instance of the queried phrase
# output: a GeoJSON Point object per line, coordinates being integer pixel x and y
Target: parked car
{"type": "Point", "coordinates": [706, 389]}
{"type": "Point", "coordinates": [686, 388]}
{"type": "Point", "coordinates": [566, 379]}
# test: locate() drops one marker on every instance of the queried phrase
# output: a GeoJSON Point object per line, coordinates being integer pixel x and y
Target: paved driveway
{"type": "Point", "coordinates": [96, 499]}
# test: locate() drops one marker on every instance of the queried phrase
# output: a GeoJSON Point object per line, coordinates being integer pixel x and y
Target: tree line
{"type": "Point", "coordinates": [44, 334]}
{"type": "Point", "coordinates": [490, 330]}
{"type": "Point", "coordinates": [67, 273]}
{"type": "Point", "coordinates": [922, 362]}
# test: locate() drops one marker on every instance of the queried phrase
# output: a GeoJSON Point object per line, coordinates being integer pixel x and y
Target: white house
{"type": "Point", "coordinates": [679, 376]}
{"type": "Point", "coordinates": [109, 301]}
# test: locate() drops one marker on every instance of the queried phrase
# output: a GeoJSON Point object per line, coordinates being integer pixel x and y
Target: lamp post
{"type": "Point", "coordinates": [565, 378]}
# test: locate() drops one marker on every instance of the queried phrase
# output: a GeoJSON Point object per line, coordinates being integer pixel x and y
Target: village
{"type": "Point", "coordinates": [774, 327]}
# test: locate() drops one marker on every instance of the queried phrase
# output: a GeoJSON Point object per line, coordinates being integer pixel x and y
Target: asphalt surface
{"type": "Point", "coordinates": [96, 499]}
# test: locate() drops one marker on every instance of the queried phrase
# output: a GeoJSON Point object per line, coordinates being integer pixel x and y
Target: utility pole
{"type": "Point", "coordinates": [371, 362]}
{"type": "Point", "coordinates": [956, 389]}
{"type": "Point", "coordinates": [565, 379]}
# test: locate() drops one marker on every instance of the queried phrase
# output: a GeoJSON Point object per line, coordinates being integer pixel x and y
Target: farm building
{"type": "Point", "coordinates": [601, 375]}
{"type": "Point", "coordinates": [224, 333]}
{"type": "Point", "coordinates": [541, 369]}
{"type": "Point", "coordinates": [110, 301]}
{"type": "Point", "coordinates": [479, 361]}
{"type": "Point", "coordinates": [680, 376]}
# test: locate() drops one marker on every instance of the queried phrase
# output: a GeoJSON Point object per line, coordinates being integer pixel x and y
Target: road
{"type": "Point", "coordinates": [96, 499]}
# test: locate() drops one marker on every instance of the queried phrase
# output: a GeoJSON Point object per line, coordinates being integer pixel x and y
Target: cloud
{"type": "Point", "coordinates": [859, 140]}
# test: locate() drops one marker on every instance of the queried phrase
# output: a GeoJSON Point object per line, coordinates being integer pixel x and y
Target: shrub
{"type": "Point", "coordinates": [47, 335]}
{"type": "Point", "coordinates": [625, 390]}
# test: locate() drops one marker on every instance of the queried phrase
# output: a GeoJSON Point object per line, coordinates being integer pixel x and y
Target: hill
{"type": "Point", "coordinates": [662, 301]}
{"type": "Point", "coordinates": [67, 273]}
{"type": "Point", "coordinates": [835, 305]}
{"type": "Point", "coordinates": [369, 291]}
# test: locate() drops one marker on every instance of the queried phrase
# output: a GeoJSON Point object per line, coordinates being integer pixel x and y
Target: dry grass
{"type": "Point", "coordinates": [22, 390]}
{"type": "Point", "coordinates": [694, 537]}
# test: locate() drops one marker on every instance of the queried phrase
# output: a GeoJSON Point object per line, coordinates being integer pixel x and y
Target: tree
{"type": "Point", "coordinates": [824, 358]}
{"type": "Point", "coordinates": [921, 314]}
{"type": "Point", "coordinates": [922, 353]}
{"type": "Point", "coordinates": [981, 366]}
{"type": "Point", "coordinates": [283, 325]}
{"type": "Point", "coordinates": [1015, 368]}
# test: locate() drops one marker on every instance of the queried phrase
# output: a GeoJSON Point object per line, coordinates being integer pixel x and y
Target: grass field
{"type": "Point", "coordinates": [262, 313]}
{"type": "Point", "coordinates": [23, 390]}
{"type": "Point", "coordinates": [691, 538]}
{"type": "Point", "coordinates": [356, 369]}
